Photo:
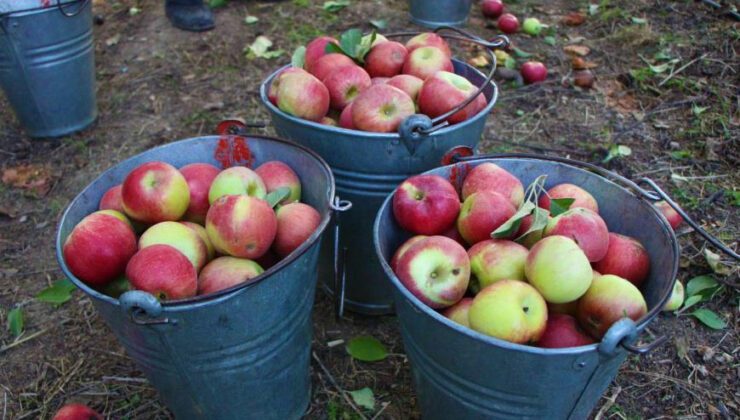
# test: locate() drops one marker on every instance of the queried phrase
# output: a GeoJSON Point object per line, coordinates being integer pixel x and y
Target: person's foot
{"type": "Point", "coordinates": [189, 15]}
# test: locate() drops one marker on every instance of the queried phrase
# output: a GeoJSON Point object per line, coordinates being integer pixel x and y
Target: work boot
{"type": "Point", "coordinates": [189, 15]}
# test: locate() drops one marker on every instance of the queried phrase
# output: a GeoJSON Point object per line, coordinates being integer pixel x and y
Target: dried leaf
{"type": "Point", "coordinates": [251, 19]}
{"type": "Point", "coordinates": [581, 50]}
{"type": "Point", "coordinates": [32, 177]}
{"type": "Point", "coordinates": [261, 48]}
{"type": "Point", "coordinates": [682, 347]}
{"type": "Point", "coordinates": [574, 19]}
{"type": "Point", "coordinates": [579, 63]}
{"type": "Point", "coordinates": [479, 61]}
{"type": "Point", "coordinates": [715, 263]}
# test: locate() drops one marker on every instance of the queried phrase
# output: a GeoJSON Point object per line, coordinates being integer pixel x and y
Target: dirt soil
{"type": "Point", "coordinates": [157, 84]}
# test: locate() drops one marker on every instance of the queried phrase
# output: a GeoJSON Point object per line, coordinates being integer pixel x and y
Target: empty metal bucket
{"type": "Point", "coordinates": [47, 68]}
{"type": "Point", "coordinates": [242, 353]}
{"type": "Point", "coordinates": [434, 13]}
{"type": "Point", "coordinates": [459, 373]}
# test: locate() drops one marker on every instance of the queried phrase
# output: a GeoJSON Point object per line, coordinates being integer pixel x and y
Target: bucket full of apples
{"type": "Point", "coordinates": [522, 282]}
{"type": "Point", "coordinates": [201, 256]}
{"type": "Point", "coordinates": [378, 109]}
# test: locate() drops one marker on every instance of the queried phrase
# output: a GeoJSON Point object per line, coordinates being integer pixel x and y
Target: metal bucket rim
{"type": "Point", "coordinates": [41, 9]}
{"type": "Point", "coordinates": [460, 329]}
{"type": "Point", "coordinates": [211, 298]}
{"type": "Point", "coordinates": [359, 134]}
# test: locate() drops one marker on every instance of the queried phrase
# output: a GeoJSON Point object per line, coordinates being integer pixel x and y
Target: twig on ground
{"type": "Point", "coordinates": [608, 404]}
{"type": "Point", "coordinates": [22, 340]}
{"type": "Point", "coordinates": [334, 383]}
{"type": "Point", "coordinates": [680, 69]}
{"type": "Point", "coordinates": [123, 379]}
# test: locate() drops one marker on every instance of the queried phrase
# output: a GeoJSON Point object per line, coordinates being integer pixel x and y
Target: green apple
{"type": "Point", "coordinates": [559, 269]}
{"type": "Point", "coordinates": [237, 180]}
{"type": "Point", "coordinates": [493, 260]}
{"type": "Point", "coordinates": [180, 237]}
{"type": "Point", "coordinates": [459, 312]}
{"type": "Point", "coordinates": [677, 297]}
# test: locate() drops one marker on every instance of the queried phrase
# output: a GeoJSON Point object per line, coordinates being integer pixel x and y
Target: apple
{"type": "Point", "coordinates": [508, 23]}
{"type": "Point", "coordinates": [275, 84]}
{"type": "Point", "coordinates": [275, 175]}
{"type": "Point", "coordinates": [609, 299]}
{"type": "Point", "coordinates": [303, 95]}
{"type": "Point", "coordinates": [162, 271]}
{"type": "Point", "coordinates": [76, 412]}
{"type": "Point", "coordinates": [407, 83]}
{"type": "Point", "coordinates": [481, 214]}
{"type": "Point", "coordinates": [454, 234]}
{"type": "Point", "coordinates": [345, 83]}
{"type": "Point", "coordinates": [180, 237]}
{"type": "Point", "coordinates": [491, 177]}
{"type": "Point", "coordinates": [403, 248]}
{"type": "Point", "coordinates": [530, 238]}
{"type": "Point", "coordinates": [585, 227]}
{"type": "Point", "coordinates": [112, 199]}
{"type": "Point", "coordinates": [459, 312]}
{"type": "Point", "coordinates": [492, 8]}
{"type": "Point", "coordinates": [510, 310]}
{"type": "Point", "coordinates": [241, 226]}
{"type": "Point", "coordinates": [225, 272]}
{"type": "Point", "coordinates": [494, 260]}
{"type": "Point", "coordinates": [381, 108]}
{"type": "Point", "coordinates": [199, 177]}
{"type": "Point", "coordinates": [379, 39]}
{"type": "Point", "coordinates": [237, 180]}
{"type": "Point", "coordinates": [428, 39]}
{"type": "Point", "coordinates": [568, 308]}
{"type": "Point", "coordinates": [582, 197]}
{"type": "Point", "coordinates": [563, 331]}
{"type": "Point", "coordinates": [426, 204]}
{"type": "Point", "coordinates": [345, 118]}
{"type": "Point", "coordinates": [533, 72]}
{"type": "Point", "coordinates": [626, 258]}
{"type": "Point", "coordinates": [328, 121]}
{"type": "Point", "coordinates": [379, 80]}
{"type": "Point", "coordinates": [155, 192]}
{"type": "Point", "coordinates": [423, 62]}
{"type": "Point", "coordinates": [676, 299]}
{"type": "Point", "coordinates": [327, 64]}
{"type": "Point", "coordinates": [296, 222]}
{"type": "Point", "coordinates": [436, 270]}
{"type": "Point", "coordinates": [386, 59]}
{"type": "Point", "coordinates": [674, 219]}
{"type": "Point", "coordinates": [559, 269]}
{"type": "Point", "coordinates": [532, 26]}
{"type": "Point", "coordinates": [317, 49]}
{"type": "Point", "coordinates": [443, 91]}
{"type": "Point", "coordinates": [98, 248]}
{"type": "Point", "coordinates": [203, 235]}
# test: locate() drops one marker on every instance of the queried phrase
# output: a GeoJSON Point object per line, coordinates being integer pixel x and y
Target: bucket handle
{"type": "Point", "coordinates": [338, 207]}
{"type": "Point", "coordinates": [143, 308]}
{"type": "Point", "coordinates": [624, 333]}
{"type": "Point", "coordinates": [466, 154]}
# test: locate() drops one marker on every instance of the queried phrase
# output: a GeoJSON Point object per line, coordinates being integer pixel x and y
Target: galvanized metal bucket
{"type": "Point", "coordinates": [242, 353]}
{"type": "Point", "coordinates": [47, 68]}
{"type": "Point", "coordinates": [368, 166]}
{"type": "Point", "coordinates": [435, 13]}
{"type": "Point", "coordinates": [460, 373]}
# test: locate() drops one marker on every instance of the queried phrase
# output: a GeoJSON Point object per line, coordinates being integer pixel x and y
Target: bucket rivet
{"type": "Point", "coordinates": [580, 364]}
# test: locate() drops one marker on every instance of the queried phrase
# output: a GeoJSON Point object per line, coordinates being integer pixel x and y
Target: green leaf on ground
{"type": "Point", "coordinates": [709, 318]}
{"type": "Point", "coordinates": [15, 321]}
{"type": "Point", "coordinates": [216, 3]}
{"type": "Point", "coordinates": [379, 23]}
{"type": "Point", "coordinates": [299, 57]}
{"type": "Point", "coordinates": [335, 6]}
{"type": "Point", "coordinates": [366, 349]}
{"type": "Point", "coordinates": [639, 21]}
{"type": "Point", "coordinates": [699, 283]}
{"type": "Point", "coordinates": [691, 301]}
{"type": "Point", "coordinates": [364, 398]}
{"type": "Point", "coordinates": [58, 293]}
{"type": "Point", "coordinates": [550, 40]}
{"type": "Point", "coordinates": [559, 206]}
{"type": "Point", "coordinates": [521, 53]}
{"type": "Point", "coordinates": [260, 48]}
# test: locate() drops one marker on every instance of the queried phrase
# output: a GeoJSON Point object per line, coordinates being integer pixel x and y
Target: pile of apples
{"type": "Point", "coordinates": [394, 82]}
{"type": "Point", "coordinates": [204, 229]}
{"type": "Point", "coordinates": [562, 285]}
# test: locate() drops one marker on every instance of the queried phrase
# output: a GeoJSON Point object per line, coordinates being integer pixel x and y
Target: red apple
{"type": "Point", "coordinates": [317, 49]}
{"type": "Point", "coordinates": [508, 23]}
{"type": "Point", "coordinates": [241, 226]}
{"type": "Point", "coordinates": [492, 8]}
{"type": "Point", "coordinates": [379, 80]}
{"type": "Point", "coordinates": [582, 197]}
{"type": "Point", "coordinates": [402, 250]}
{"type": "Point", "coordinates": [558, 269]}
{"type": "Point", "coordinates": [609, 299]}
{"type": "Point", "coordinates": [76, 412]}
{"type": "Point", "coordinates": [155, 192]}
{"type": "Point", "coordinates": [275, 175]}
{"type": "Point", "coordinates": [381, 108]}
{"type": "Point", "coordinates": [98, 248]}
{"type": "Point", "coordinates": [296, 222]}
{"type": "Point", "coordinates": [428, 39]}
{"type": "Point", "coordinates": [386, 59]}
{"type": "Point", "coordinates": [626, 258]}
{"type": "Point", "coordinates": [327, 64]}
{"type": "Point", "coordinates": [199, 177]}
{"type": "Point", "coordinates": [563, 331]}
{"type": "Point", "coordinates": [568, 308]}
{"type": "Point", "coordinates": [237, 180]}
{"type": "Point", "coordinates": [275, 84]}
{"type": "Point", "coordinates": [436, 270]}
{"type": "Point", "coordinates": [345, 83]}
{"type": "Point", "coordinates": [163, 271]}
{"type": "Point", "coordinates": [481, 214]}
{"type": "Point", "coordinates": [423, 62]}
{"type": "Point", "coordinates": [459, 312]}
{"type": "Point", "coordinates": [303, 95]}
{"type": "Point", "coordinates": [180, 237]}
{"type": "Point", "coordinates": [674, 219]}
{"type": "Point", "coordinates": [533, 72]}
{"type": "Point", "coordinates": [493, 260]}
{"type": "Point", "coordinates": [201, 231]}
{"type": "Point", "coordinates": [426, 204]}
{"type": "Point", "coordinates": [585, 227]}
{"type": "Point", "coordinates": [454, 234]}
{"type": "Point", "coordinates": [345, 118]}
{"type": "Point", "coordinates": [491, 177]}
{"type": "Point", "coordinates": [407, 83]}
{"type": "Point", "coordinates": [112, 199]}
{"type": "Point", "coordinates": [444, 91]}
{"type": "Point", "coordinates": [225, 272]}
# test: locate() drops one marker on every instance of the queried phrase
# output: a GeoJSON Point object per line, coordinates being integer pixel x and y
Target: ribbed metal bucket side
{"type": "Point", "coordinates": [459, 373]}
{"type": "Point", "coordinates": [368, 166]}
{"type": "Point", "coordinates": [436, 13]}
{"type": "Point", "coordinates": [242, 353]}
{"type": "Point", "coordinates": [47, 69]}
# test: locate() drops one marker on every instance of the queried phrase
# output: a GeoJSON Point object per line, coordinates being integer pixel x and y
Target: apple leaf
{"type": "Point", "coordinates": [260, 48]}
{"type": "Point", "coordinates": [299, 57]}
{"type": "Point", "coordinates": [559, 206]}
{"type": "Point", "coordinates": [335, 6]}
{"type": "Point", "coordinates": [353, 44]}
{"type": "Point", "coordinates": [510, 227]}
{"type": "Point", "coordinates": [510, 63]}
{"type": "Point", "coordinates": [15, 321]}
{"type": "Point", "coordinates": [366, 349]}
{"type": "Point", "coordinates": [539, 222]}
{"type": "Point", "coordinates": [617, 151]}
{"type": "Point", "coordinates": [709, 318]}
{"type": "Point", "coordinates": [379, 23]}
{"type": "Point", "coordinates": [216, 3]}
{"type": "Point", "coordinates": [715, 262]}
{"type": "Point", "coordinates": [277, 196]}
{"type": "Point", "coordinates": [521, 53]}
{"type": "Point", "coordinates": [58, 293]}
{"type": "Point", "coordinates": [691, 301]}
{"type": "Point", "coordinates": [699, 283]}
{"type": "Point", "coordinates": [251, 19]}
{"type": "Point", "coordinates": [550, 40]}
{"type": "Point", "coordinates": [364, 398]}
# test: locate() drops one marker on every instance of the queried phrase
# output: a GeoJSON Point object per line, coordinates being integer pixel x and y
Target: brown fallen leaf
{"type": "Point", "coordinates": [574, 18]}
{"type": "Point", "coordinates": [581, 50]}
{"type": "Point", "coordinates": [580, 64]}
{"type": "Point", "coordinates": [36, 178]}
{"type": "Point", "coordinates": [617, 97]}
{"type": "Point", "coordinates": [479, 61]}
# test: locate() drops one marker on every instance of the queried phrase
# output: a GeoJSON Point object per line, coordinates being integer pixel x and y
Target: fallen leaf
{"type": "Point", "coordinates": [364, 398]}
{"type": "Point", "coordinates": [36, 178]}
{"type": "Point", "coordinates": [581, 50]}
{"type": "Point", "coordinates": [682, 347]}
{"type": "Point", "coordinates": [715, 262]}
{"type": "Point", "coordinates": [251, 19]}
{"type": "Point", "coordinates": [335, 6]}
{"type": "Point", "coordinates": [479, 61]}
{"type": "Point", "coordinates": [379, 23]}
{"type": "Point", "coordinates": [134, 11]}
{"type": "Point", "coordinates": [580, 64]}
{"type": "Point", "coordinates": [261, 48]}
{"type": "Point", "coordinates": [574, 19]}
{"type": "Point", "coordinates": [616, 97]}
{"type": "Point", "coordinates": [113, 40]}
